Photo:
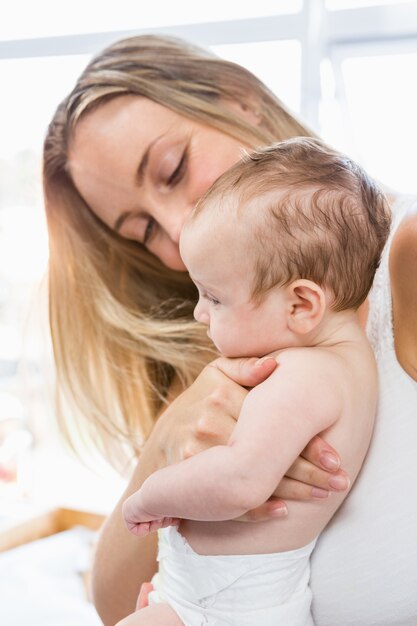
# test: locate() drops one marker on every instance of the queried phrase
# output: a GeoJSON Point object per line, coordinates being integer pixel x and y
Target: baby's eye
{"type": "Point", "coordinates": [211, 299]}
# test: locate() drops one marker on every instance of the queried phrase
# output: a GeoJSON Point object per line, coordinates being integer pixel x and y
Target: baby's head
{"type": "Point", "coordinates": [290, 232]}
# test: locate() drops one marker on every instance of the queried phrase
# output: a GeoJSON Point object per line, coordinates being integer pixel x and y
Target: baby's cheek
{"type": "Point", "coordinates": [235, 344]}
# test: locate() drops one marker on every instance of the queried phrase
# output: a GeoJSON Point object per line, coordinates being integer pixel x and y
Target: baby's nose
{"type": "Point", "coordinates": [200, 314]}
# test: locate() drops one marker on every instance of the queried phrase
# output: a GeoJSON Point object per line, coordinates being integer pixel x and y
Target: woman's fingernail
{"type": "Point", "coordinates": [341, 483]}
{"type": "Point", "coordinates": [316, 492]}
{"type": "Point", "coordinates": [329, 461]}
{"type": "Point", "coordinates": [260, 362]}
{"type": "Point", "coordinates": [280, 511]}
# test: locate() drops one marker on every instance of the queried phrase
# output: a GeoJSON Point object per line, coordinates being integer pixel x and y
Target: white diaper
{"type": "Point", "coordinates": [248, 590]}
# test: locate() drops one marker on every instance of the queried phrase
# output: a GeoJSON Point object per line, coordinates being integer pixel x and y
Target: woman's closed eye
{"type": "Point", "coordinates": [149, 230]}
{"type": "Point", "coordinates": [179, 170]}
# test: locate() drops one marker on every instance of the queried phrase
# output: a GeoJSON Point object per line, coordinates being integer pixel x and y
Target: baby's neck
{"type": "Point", "coordinates": [335, 329]}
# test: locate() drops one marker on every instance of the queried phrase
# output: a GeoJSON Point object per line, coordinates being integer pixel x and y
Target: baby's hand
{"type": "Point", "coordinates": [141, 523]}
{"type": "Point", "coordinates": [140, 529]}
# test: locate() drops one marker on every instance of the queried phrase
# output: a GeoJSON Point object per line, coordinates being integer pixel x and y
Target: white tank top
{"type": "Point", "coordinates": [364, 567]}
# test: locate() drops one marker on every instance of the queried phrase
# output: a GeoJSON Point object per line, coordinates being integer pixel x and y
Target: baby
{"type": "Point", "coordinates": [283, 249]}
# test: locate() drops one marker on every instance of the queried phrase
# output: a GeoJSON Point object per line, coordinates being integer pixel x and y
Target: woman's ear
{"type": "Point", "coordinates": [307, 302]}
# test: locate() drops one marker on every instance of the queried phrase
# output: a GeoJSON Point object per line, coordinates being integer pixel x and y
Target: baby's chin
{"type": "Point", "coordinates": [235, 352]}
{"type": "Point", "coordinates": [215, 344]}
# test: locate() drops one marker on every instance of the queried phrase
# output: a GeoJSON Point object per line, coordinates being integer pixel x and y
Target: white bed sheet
{"type": "Point", "coordinates": [41, 582]}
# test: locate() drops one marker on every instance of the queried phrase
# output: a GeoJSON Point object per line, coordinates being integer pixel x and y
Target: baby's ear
{"type": "Point", "coordinates": [307, 302]}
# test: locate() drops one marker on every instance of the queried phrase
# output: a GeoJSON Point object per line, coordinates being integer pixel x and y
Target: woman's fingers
{"type": "Point", "coordinates": [247, 372]}
{"type": "Point", "coordinates": [290, 489]}
{"type": "Point", "coordinates": [143, 599]}
{"type": "Point", "coordinates": [304, 472]}
{"type": "Point", "coordinates": [321, 454]}
{"type": "Point", "coordinates": [271, 509]}
{"type": "Point", "coordinates": [205, 414]}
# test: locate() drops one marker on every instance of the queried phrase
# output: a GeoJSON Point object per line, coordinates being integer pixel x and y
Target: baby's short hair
{"type": "Point", "coordinates": [312, 213]}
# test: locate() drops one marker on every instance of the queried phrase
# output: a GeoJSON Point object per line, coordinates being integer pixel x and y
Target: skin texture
{"type": "Point", "coordinates": [105, 154]}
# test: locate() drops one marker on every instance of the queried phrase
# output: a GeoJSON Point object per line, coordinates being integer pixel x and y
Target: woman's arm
{"type": "Point", "coordinates": [202, 416]}
{"type": "Point", "coordinates": [403, 270]}
{"type": "Point", "coordinates": [123, 562]}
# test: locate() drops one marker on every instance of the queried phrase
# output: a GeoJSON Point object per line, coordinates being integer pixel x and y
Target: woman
{"type": "Point", "coordinates": [150, 125]}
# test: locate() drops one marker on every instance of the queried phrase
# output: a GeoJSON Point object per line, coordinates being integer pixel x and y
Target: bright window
{"type": "Point", "coordinates": [372, 114]}
{"type": "Point", "coordinates": [276, 63]}
{"type": "Point", "coordinates": [45, 18]}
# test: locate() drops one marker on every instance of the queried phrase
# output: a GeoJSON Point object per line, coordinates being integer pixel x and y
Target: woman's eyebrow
{"type": "Point", "coordinates": [139, 178]}
{"type": "Point", "coordinates": [119, 222]}
{"type": "Point", "coordinates": [140, 172]}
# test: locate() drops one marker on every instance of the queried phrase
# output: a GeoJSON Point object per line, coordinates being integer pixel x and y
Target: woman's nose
{"type": "Point", "coordinates": [175, 222]}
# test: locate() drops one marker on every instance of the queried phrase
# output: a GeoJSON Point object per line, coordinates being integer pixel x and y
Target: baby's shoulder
{"type": "Point", "coordinates": [308, 382]}
{"type": "Point", "coordinates": [313, 370]}
{"type": "Point", "coordinates": [336, 368]}
{"type": "Point", "coordinates": [309, 357]}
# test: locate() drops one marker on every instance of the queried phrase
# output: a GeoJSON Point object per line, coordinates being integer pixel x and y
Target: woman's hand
{"type": "Point", "coordinates": [205, 414]}
{"type": "Point", "coordinates": [314, 474]}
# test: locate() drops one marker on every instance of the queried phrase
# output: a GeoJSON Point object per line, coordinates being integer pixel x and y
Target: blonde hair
{"type": "Point", "coordinates": [313, 213]}
{"type": "Point", "coordinates": [121, 322]}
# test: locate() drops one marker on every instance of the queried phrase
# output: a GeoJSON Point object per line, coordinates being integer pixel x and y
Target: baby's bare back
{"type": "Point", "coordinates": [350, 372]}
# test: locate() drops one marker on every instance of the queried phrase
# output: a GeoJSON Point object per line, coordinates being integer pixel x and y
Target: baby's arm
{"type": "Point", "coordinates": [277, 420]}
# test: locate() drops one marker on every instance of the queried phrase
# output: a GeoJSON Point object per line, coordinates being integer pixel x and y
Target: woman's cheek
{"type": "Point", "coordinates": [204, 176]}
{"type": "Point", "coordinates": [168, 253]}
{"type": "Point", "coordinates": [204, 181]}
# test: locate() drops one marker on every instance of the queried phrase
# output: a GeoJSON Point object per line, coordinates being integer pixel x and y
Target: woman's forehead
{"type": "Point", "coordinates": [125, 115]}
{"type": "Point", "coordinates": [112, 139]}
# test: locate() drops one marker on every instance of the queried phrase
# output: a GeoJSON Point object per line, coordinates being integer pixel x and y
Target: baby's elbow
{"type": "Point", "coordinates": [251, 495]}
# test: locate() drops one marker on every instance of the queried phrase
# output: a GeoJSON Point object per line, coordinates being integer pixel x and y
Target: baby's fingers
{"type": "Point", "coordinates": [156, 524]}
{"type": "Point", "coordinates": [170, 521]}
{"type": "Point", "coordinates": [140, 530]}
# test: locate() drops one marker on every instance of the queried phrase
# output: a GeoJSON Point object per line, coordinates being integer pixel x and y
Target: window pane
{"type": "Point", "coordinates": [337, 5]}
{"type": "Point", "coordinates": [32, 90]}
{"type": "Point", "coordinates": [276, 63]}
{"type": "Point", "coordinates": [382, 104]}
{"type": "Point", "coordinates": [50, 18]}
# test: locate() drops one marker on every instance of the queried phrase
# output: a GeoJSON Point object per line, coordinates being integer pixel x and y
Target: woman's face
{"type": "Point", "coordinates": [141, 169]}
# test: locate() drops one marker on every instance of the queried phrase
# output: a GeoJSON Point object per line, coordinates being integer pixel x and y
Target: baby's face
{"type": "Point", "coordinates": [221, 269]}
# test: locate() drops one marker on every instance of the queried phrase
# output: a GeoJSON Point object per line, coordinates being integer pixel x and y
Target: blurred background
{"type": "Point", "coordinates": [347, 67]}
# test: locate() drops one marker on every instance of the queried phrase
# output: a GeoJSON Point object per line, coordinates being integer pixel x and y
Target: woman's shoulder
{"type": "Point", "coordinates": [403, 277]}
